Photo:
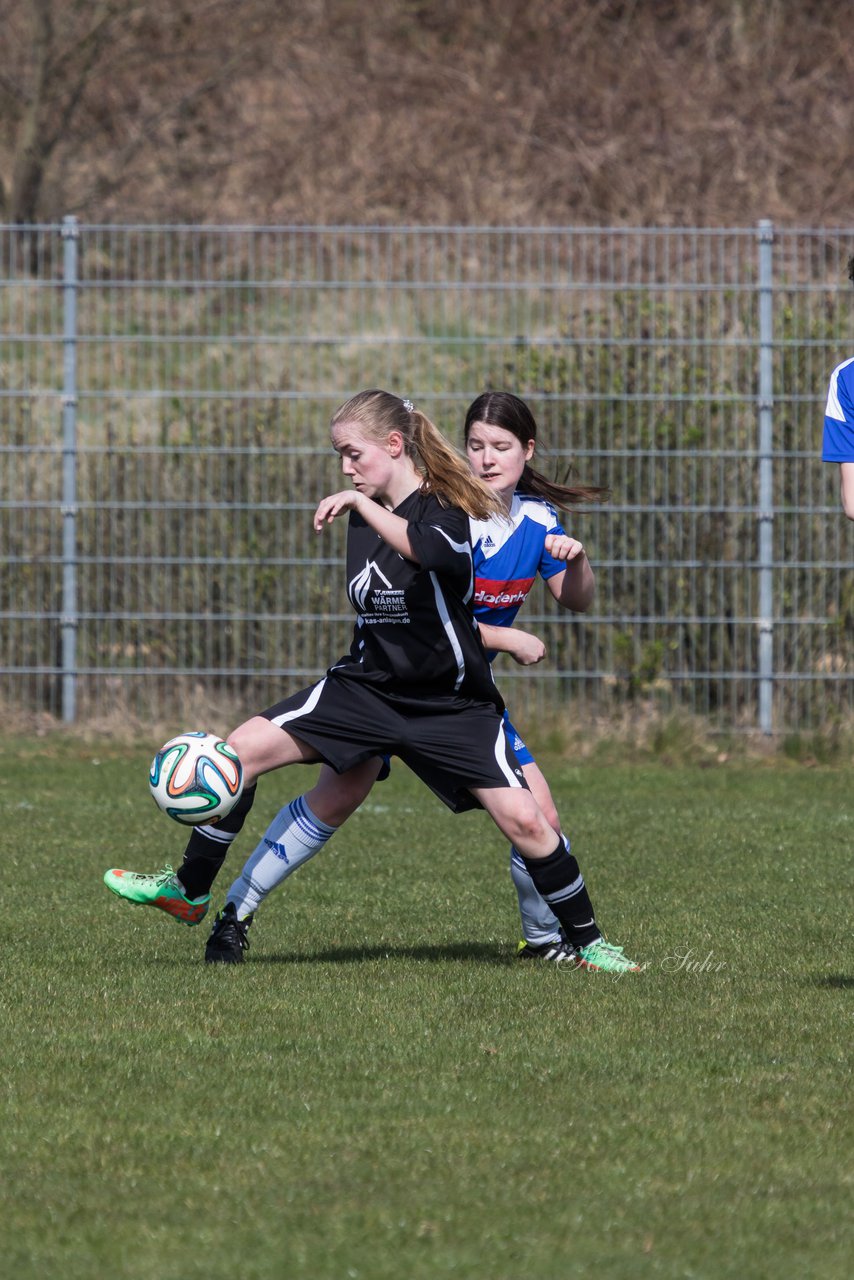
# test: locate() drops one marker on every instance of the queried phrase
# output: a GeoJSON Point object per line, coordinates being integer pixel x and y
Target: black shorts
{"type": "Point", "coordinates": [452, 744]}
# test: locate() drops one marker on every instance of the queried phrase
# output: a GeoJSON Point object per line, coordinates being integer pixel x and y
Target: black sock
{"type": "Point", "coordinates": [558, 879]}
{"type": "Point", "coordinates": [208, 846]}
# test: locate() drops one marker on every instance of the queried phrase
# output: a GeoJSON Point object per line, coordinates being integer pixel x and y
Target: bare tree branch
{"type": "Point", "coordinates": [91, 46]}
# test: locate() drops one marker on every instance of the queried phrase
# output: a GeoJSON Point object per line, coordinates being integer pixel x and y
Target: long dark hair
{"type": "Point", "coordinates": [503, 409]}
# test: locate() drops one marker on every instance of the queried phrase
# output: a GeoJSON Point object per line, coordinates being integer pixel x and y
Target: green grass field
{"type": "Point", "coordinates": [381, 1090]}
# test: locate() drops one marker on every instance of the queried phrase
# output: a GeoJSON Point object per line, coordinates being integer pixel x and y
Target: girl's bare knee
{"type": "Point", "coordinates": [334, 797]}
{"type": "Point", "coordinates": [527, 821]}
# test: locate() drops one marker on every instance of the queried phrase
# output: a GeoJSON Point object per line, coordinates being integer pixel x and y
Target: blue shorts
{"type": "Point", "coordinates": [523, 755]}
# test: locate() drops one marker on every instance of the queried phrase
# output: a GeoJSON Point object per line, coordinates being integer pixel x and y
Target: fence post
{"type": "Point", "coordinates": [69, 616]}
{"type": "Point", "coordinates": [765, 516]}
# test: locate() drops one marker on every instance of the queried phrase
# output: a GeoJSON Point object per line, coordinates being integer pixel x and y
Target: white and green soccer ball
{"type": "Point", "coordinates": [196, 777]}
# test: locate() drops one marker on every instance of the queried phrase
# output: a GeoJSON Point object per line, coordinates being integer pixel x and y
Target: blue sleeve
{"type": "Point", "coordinates": [548, 566]}
{"type": "Point", "coordinates": [838, 443]}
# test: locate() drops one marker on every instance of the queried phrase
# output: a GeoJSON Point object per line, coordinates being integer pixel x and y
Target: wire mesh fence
{"type": "Point", "coordinates": [165, 398]}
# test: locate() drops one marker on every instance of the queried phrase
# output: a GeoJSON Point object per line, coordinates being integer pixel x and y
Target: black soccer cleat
{"type": "Point", "coordinates": [229, 937]}
{"type": "Point", "coordinates": [561, 951]}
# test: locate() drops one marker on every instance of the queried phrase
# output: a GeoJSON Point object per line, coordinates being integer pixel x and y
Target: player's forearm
{"type": "Point", "coordinates": [578, 586]}
{"type": "Point", "coordinates": [846, 470]}
{"type": "Point", "coordinates": [523, 646]}
{"type": "Point", "coordinates": [499, 638]}
{"type": "Point", "coordinates": [392, 529]}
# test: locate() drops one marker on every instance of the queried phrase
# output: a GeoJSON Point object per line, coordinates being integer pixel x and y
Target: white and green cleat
{"type": "Point", "coordinates": [606, 958]}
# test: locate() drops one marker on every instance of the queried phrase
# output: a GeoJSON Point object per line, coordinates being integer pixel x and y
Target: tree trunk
{"type": "Point", "coordinates": [33, 145]}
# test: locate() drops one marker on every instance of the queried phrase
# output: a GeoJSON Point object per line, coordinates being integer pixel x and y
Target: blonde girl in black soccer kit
{"type": "Point", "coordinates": [416, 682]}
{"type": "Point", "coordinates": [511, 549]}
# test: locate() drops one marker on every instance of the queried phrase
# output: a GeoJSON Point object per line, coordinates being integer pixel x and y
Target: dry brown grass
{"type": "Point", "coordinates": [493, 111]}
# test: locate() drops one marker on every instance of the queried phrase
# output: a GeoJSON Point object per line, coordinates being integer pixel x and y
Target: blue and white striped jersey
{"type": "Point", "coordinates": [508, 555]}
{"type": "Point", "coordinates": [839, 415]}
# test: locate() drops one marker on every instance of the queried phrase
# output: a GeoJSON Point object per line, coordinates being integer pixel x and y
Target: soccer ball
{"type": "Point", "coordinates": [196, 778]}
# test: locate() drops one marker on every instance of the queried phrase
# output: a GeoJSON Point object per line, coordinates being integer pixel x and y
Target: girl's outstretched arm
{"type": "Point", "coordinates": [575, 587]}
{"type": "Point", "coordinates": [846, 471]}
{"type": "Point", "coordinates": [392, 529]}
{"type": "Point", "coordinates": [523, 646]}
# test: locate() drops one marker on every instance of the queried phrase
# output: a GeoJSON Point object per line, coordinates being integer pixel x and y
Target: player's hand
{"type": "Point", "coordinates": [562, 547]}
{"type": "Point", "coordinates": [335, 505]}
{"type": "Point", "coordinates": [527, 649]}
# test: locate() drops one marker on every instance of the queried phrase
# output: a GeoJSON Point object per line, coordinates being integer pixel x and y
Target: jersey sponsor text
{"type": "Point", "coordinates": [499, 594]}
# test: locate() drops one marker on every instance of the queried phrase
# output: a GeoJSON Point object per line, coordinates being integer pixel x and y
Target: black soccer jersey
{"type": "Point", "coordinates": [415, 634]}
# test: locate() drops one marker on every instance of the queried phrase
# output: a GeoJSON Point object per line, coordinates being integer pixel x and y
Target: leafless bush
{"type": "Point", "coordinates": [494, 111]}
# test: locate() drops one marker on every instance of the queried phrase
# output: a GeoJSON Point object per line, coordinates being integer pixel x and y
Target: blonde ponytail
{"type": "Point", "coordinates": [445, 471]}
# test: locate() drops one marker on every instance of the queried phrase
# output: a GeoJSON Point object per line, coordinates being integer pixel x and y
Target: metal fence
{"type": "Point", "coordinates": [165, 395]}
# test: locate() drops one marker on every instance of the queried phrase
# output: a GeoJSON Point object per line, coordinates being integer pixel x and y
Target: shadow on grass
{"type": "Point", "coordinates": [496, 954]}
{"type": "Point", "coordinates": [474, 952]}
{"type": "Point", "coordinates": [471, 952]}
{"type": "Point", "coordinates": [838, 981]}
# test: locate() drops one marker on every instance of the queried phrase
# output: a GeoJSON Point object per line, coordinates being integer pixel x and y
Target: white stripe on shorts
{"type": "Point", "coordinates": [501, 757]}
{"type": "Point", "coordinates": [307, 707]}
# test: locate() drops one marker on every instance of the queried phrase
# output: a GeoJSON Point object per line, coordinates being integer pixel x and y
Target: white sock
{"type": "Point", "coordinates": [539, 923]}
{"type": "Point", "coordinates": [294, 836]}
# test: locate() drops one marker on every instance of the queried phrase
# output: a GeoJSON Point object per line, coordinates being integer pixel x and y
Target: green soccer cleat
{"type": "Point", "coordinates": [163, 890]}
{"type": "Point", "coordinates": [606, 958]}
